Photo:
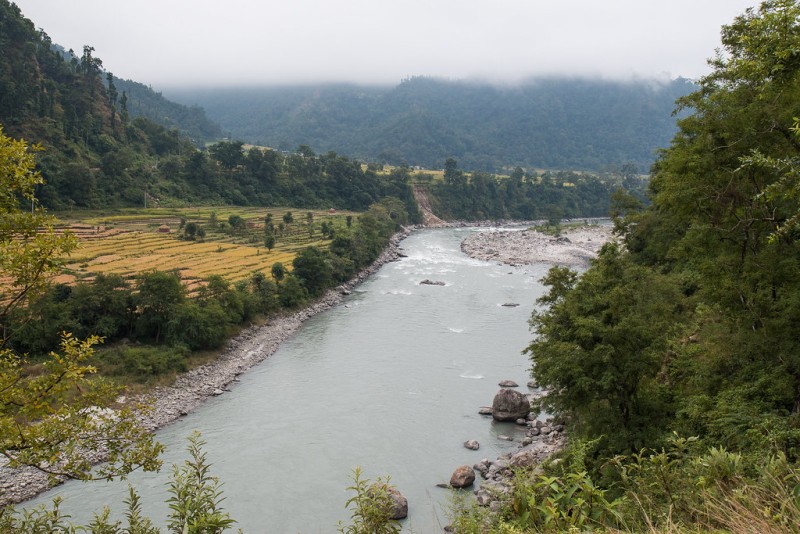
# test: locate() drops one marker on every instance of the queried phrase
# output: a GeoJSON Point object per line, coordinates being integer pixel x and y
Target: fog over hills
{"type": "Point", "coordinates": [548, 123]}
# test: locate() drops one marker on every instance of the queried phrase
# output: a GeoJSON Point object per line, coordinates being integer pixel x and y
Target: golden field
{"type": "Point", "coordinates": [128, 242]}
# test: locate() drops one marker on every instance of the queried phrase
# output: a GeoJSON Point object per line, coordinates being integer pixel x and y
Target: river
{"type": "Point", "coordinates": [390, 380]}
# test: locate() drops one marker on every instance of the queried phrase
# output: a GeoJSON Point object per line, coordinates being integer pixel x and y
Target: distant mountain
{"type": "Point", "coordinates": [548, 123]}
{"type": "Point", "coordinates": [191, 121]}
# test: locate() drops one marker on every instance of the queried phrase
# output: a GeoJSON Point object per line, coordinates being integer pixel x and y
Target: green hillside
{"type": "Point", "coordinates": [548, 123]}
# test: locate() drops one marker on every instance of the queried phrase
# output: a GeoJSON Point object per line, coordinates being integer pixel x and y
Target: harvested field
{"type": "Point", "coordinates": [129, 242]}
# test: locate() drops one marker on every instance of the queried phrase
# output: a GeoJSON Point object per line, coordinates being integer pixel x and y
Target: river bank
{"type": "Point", "coordinates": [574, 247]}
{"type": "Point", "coordinates": [192, 388]}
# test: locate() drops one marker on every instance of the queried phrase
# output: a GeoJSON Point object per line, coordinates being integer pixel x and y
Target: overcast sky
{"type": "Point", "coordinates": [168, 43]}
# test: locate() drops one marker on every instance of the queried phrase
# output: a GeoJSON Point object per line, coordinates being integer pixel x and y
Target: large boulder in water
{"type": "Point", "coordinates": [510, 405]}
{"type": "Point", "coordinates": [463, 477]}
{"type": "Point", "coordinates": [397, 501]}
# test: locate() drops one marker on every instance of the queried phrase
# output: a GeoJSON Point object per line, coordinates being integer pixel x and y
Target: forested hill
{"type": "Point", "coordinates": [143, 101]}
{"type": "Point", "coordinates": [548, 123]}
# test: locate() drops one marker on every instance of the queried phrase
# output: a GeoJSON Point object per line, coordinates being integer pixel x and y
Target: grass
{"type": "Point", "coordinates": [129, 241]}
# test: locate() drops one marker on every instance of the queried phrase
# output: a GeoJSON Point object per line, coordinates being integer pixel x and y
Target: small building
{"type": "Point", "coordinates": [164, 229]}
{"type": "Point", "coordinates": [332, 211]}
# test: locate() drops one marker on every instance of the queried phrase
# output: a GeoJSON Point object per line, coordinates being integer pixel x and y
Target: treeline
{"type": "Point", "coordinates": [528, 195]}
{"type": "Point", "coordinates": [546, 123]}
{"type": "Point", "coordinates": [675, 359]}
{"type": "Point", "coordinates": [160, 326]}
{"type": "Point", "coordinates": [103, 150]}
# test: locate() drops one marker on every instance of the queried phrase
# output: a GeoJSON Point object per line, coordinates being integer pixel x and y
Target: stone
{"type": "Point", "coordinates": [472, 445]}
{"type": "Point", "coordinates": [524, 458]}
{"type": "Point", "coordinates": [427, 282]}
{"type": "Point", "coordinates": [510, 405]}
{"type": "Point", "coordinates": [508, 384]}
{"type": "Point", "coordinates": [397, 501]}
{"type": "Point", "coordinates": [522, 422]}
{"type": "Point", "coordinates": [533, 384]}
{"type": "Point", "coordinates": [217, 392]}
{"type": "Point", "coordinates": [505, 438]}
{"type": "Point", "coordinates": [463, 477]}
{"type": "Point", "coordinates": [510, 305]}
{"type": "Point", "coordinates": [534, 431]}
{"type": "Point", "coordinates": [485, 410]}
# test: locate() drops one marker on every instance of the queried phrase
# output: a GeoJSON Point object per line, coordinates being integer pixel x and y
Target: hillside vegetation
{"type": "Point", "coordinates": [548, 123]}
{"type": "Point", "coordinates": [675, 359]}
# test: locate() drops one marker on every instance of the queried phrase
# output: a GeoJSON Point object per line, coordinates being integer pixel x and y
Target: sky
{"type": "Point", "coordinates": [208, 43]}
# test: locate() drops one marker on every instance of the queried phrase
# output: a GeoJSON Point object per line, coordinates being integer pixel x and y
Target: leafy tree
{"type": "Point", "coordinates": [312, 266]}
{"type": "Point", "coordinates": [159, 293]}
{"type": "Point", "coordinates": [600, 346]}
{"type": "Point", "coordinates": [278, 271]}
{"type": "Point", "coordinates": [190, 230]}
{"type": "Point", "coordinates": [291, 292]}
{"type": "Point", "coordinates": [237, 223]}
{"type": "Point", "coordinates": [265, 291]}
{"type": "Point", "coordinates": [51, 419]}
{"type": "Point", "coordinates": [288, 218]}
{"type": "Point", "coordinates": [269, 241]}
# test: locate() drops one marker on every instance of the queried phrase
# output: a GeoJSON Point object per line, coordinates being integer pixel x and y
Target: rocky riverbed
{"type": "Point", "coordinates": [193, 387]}
{"type": "Point", "coordinates": [574, 247]}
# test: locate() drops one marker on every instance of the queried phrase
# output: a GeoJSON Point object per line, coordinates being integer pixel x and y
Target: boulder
{"type": "Point", "coordinates": [427, 282]}
{"type": "Point", "coordinates": [510, 305]}
{"type": "Point", "coordinates": [510, 405]}
{"type": "Point", "coordinates": [533, 384]}
{"type": "Point", "coordinates": [485, 410]}
{"type": "Point", "coordinates": [463, 477]}
{"type": "Point", "coordinates": [508, 384]}
{"type": "Point", "coordinates": [524, 458]}
{"type": "Point", "coordinates": [397, 501]}
{"type": "Point", "coordinates": [472, 445]}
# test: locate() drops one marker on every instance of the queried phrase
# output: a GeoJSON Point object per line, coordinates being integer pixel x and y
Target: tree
{"type": "Point", "coordinates": [600, 345]}
{"type": "Point", "coordinates": [159, 294]}
{"type": "Point", "coordinates": [54, 418]}
{"type": "Point", "coordinates": [190, 230]}
{"type": "Point", "coordinates": [237, 223]}
{"type": "Point", "coordinates": [278, 271]}
{"type": "Point", "coordinates": [452, 174]}
{"type": "Point", "coordinates": [288, 218]}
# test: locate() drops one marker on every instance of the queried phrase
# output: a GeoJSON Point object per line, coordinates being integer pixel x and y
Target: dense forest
{"type": "Point", "coordinates": [675, 360]}
{"type": "Point", "coordinates": [548, 123]}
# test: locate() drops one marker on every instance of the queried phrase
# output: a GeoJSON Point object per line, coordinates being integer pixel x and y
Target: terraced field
{"type": "Point", "coordinates": [129, 242]}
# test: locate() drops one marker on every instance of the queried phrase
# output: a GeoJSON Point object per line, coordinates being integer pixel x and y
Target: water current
{"type": "Point", "coordinates": [390, 380]}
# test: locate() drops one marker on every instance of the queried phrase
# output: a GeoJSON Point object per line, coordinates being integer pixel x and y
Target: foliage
{"type": "Point", "coordinates": [688, 328]}
{"type": "Point", "coordinates": [50, 419]}
{"type": "Point", "coordinates": [195, 495]}
{"type": "Point", "coordinates": [600, 348]}
{"type": "Point", "coordinates": [194, 503]}
{"type": "Point", "coordinates": [561, 503]}
{"type": "Point", "coordinates": [525, 196]}
{"type": "Point", "coordinates": [30, 248]}
{"type": "Point", "coordinates": [544, 123]}
{"type": "Point", "coordinates": [371, 507]}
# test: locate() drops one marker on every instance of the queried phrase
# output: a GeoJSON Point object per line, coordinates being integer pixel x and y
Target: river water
{"type": "Point", "coordinates": [390, 380]}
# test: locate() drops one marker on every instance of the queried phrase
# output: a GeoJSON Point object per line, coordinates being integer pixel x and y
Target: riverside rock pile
{"type": "Point", "coordinates": [574, 247]}
{"type": "Point", "coordinates": [251, 347]}
{"type": "Point", "coordinates": [541, 441]}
